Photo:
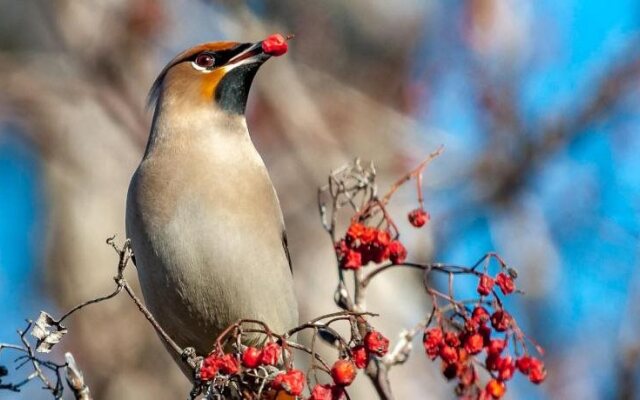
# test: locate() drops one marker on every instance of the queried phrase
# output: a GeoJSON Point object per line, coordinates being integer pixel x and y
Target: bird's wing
{"type": "Point", "coordinates": [285, 245]}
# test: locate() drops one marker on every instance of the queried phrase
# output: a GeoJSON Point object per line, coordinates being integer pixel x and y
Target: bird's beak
{"type": "Point", "coordinates": [274, 45]}
{"type": "Point", "coordinates": [232, 90]}
{"type": "Point", "coordinates": [252, 54]}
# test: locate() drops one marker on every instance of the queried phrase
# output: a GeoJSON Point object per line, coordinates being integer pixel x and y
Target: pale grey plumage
{"type": "Point", "coordinates": [205, 222]}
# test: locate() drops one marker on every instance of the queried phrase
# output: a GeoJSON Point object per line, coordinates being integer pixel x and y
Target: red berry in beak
{"type": "Point", "coordinates": [275, 45]}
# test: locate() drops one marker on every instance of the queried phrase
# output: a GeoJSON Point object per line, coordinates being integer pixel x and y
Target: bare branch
{"type": "Point", "coordinates": [75, 379]}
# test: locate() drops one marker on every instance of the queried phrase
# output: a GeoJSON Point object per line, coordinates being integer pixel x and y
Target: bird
{"type": "Point", "coordinates": [202, 215]}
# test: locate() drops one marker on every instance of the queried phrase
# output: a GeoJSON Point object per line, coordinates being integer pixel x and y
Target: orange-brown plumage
{"type": "Point", "coordinates": [233, 65]}
{"type": "Point", "coordinates": [209, 82]}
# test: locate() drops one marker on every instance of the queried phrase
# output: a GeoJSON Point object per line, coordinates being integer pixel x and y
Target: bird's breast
{"type": "Point", "coordinates": [206, 228]}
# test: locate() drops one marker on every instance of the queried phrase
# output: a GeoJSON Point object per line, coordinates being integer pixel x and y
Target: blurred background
{"type": "Point", "coordinates": [536, 103]}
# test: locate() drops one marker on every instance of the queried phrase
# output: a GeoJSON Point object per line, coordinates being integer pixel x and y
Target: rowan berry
{"type": "Point", "coordinates": [505, 282]}
{"type": "Point", "coordinates": [397, 252]}
{"type": "Point", "coordinates": [275, 45]}
{"type": "Point", "coordinates": [485, 285]}
{"type": "Point", "coordinates": [343, 372]}
{"type": "Point", "coordinates": [418, 217]}
{"type": "Point", "coordinates": [292, 382]}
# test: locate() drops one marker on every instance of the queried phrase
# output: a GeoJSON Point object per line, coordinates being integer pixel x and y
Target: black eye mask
{"type": "Point", "coordinates": [221, 57]}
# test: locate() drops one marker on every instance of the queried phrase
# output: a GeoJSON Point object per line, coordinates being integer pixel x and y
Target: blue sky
{"type": "Point", "coordinates": [589, 194]}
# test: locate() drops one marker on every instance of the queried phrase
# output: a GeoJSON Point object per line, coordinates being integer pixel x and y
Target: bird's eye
{"type": "Point", "coordinates": [205, 60]}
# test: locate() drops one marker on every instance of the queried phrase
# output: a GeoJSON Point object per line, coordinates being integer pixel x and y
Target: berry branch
{"type": "Point", "coordinates": [463, 329]}
{"type": "Point", "coordinates": [478, 342]}
{"type": "Point", "coordinates": [48, 372]}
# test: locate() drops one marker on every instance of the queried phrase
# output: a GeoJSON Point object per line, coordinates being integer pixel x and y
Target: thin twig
{"type": "Point", "coordinates": [75, 379]}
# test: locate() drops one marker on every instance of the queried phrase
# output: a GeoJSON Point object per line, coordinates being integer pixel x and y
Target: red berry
{"type": "Point", "coordinates": [485, 285]}
{"type": "Point", "coordinates": [418, 217]}
{"type": "Point", "coordinates": [327, 392]}
{"type": "Point", "coordinates": [505, 282]}
{"type": "Point", "coordinates": [524, 364]}
{"type": "Point", "coordinates": [471, 325]}
{"type": "Point", "coordinates": [270, 354]}
{"type": "Point", "coordinates": [506, 368]}
{"type": "Point", "coordinates": [448, 354]}
{"type": "Point", "coordinates": [251, 357]}
{"type": "Point", "coordinates": [368, 235]}
{"type": "Point", "coordinates": [360, 356]}
{"type": "Point", "coordinates": [432, 340]}
{"type": "Point", "coordinates": [492, 362]}
{"type": "Point", "coordinates": [343, 372]}
{"type": "Point", "coordinates": [379, 254]}
{"type": "Point", "coordinates": [495, 388]}
{"type": "Point", "coordinates": [474, 343]}
{"type": "Point", "coordinates": [537, 372]}
{"type": "Point", "coordinates": [450, 370]}
{"type": "Point", "coordinates": [209, 368]}
{"type": "Point", "coordinates": [354, 232]}
{"type": "Point", "coordinates": [451, 338]}
{"type": "Point", "coordinates": [480, 314]}
{"type": "Point", "coordinates": [378, 249]}
{"type": "Point", "coordinates": [397, 252]}
{"type": "Point", "coordinates": [496, 346]}
{"type": "Point", "coordinates": [382, 238]}
{"type": "Point", "coordinates": [485, 331]}
{"type": "Point", "coordinates": [291, 382]}
{"type": "Point", "coordinates": [500, 320]}
{"type": "Point", "coordinates": [321, 392]}
{"type": "Point", "coordinates": [376, 343]}
{"type": "Point", "coordinates": [351, 260]}
{"type": "Point", "coordinates": [228, 364]}
{"type": "Point", "coordinates": [368, 253]}
{"type": "Point", "coordinates": [275, 45]}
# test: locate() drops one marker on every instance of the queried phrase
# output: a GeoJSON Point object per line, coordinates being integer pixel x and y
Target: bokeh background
{"type": "Point", "coordinates": [536, 103]}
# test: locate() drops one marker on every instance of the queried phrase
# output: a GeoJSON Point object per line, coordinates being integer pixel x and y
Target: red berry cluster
{"type": "Point", "coordinates": [229, 364]}
{"type": "Point", "coordinates": [363, 244]}
{"type": "Point", "coordinates": [374, 344]}
{"type": "Point", "coordinates": [457, 348]}
{"type": "Point", "coordinates": [504, 281]}
{"type": "Point", "coordinates": [470, 334]}
{"type": "Point", "coordinates": [218, 367]}
{"type": "Point", "coordinates": [344, 371]}
{"type": "Point", "coordinates": [217, 363]}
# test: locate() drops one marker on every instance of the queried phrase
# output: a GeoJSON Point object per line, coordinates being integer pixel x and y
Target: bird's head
{"type": "Point", "coordinates": [217, 74]}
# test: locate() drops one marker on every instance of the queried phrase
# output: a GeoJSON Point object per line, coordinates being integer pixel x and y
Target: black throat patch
{"type": "Point", "coordinates": [233, 90]}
